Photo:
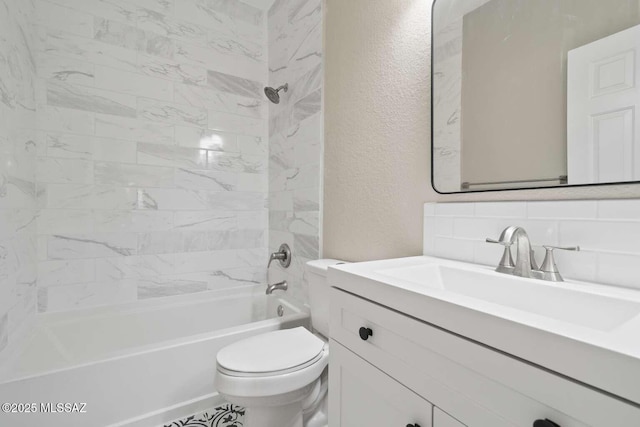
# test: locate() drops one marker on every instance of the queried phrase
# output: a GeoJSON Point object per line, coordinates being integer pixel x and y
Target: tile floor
{"type": "Point", "coordinates": [226, 415]}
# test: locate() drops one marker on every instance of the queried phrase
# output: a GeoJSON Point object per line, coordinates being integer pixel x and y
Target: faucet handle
{"type": "Point", "coordinates": [283, 256]}
{"type": "Point", "coordinates": [563, 248]}
{"type": "Point", "coordinates": [506, 264]}
{"type": "Point", "coordinates": [549, 268]}
{"type": "Point", "coordinates": [499, 242]}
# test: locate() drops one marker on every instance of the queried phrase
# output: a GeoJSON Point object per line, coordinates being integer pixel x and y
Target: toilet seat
{"type": "Point", "coordinates": [271, 353]}
{"type": "Point", "coordinates": [296, 368]}
{"type": "Point", "coordinates": [271, 364]}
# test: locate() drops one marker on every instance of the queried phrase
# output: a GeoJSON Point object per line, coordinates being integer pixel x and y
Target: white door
{"type": "Point", "coordinates": [603, 102]}
{"type": "Point", "coordinates": [363, 396]}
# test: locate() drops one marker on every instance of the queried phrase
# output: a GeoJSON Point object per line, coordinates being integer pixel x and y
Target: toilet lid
{"type": "Point", "coordinates": [271, 352]}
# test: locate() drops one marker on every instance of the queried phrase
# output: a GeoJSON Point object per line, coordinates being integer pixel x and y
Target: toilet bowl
{"type": "Point", "coordinates": [280, 377]}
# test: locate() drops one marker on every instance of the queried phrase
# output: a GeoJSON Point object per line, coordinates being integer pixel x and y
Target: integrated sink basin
{"type": "Point", "coordinates": [559, 301]}
{"type": "Point", "coordinates": [587, 332]}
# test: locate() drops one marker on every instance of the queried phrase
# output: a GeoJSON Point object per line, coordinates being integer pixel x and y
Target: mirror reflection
{"type": "Point", "coordinates": [535, 93]}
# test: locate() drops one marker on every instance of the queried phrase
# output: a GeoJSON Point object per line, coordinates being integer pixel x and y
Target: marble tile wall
{"type": "Point", "coordinates": [152, 149]}
{"type": "Point", "coordinates": [17, 174]}
{"type": "Point", "coordinates": [296, 136]}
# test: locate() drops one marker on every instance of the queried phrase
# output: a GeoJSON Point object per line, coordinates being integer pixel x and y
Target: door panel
{"type": "Point", "coordinates": [604, 110]}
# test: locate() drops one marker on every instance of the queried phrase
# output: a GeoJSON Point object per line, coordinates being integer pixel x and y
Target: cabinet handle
{"type": "Point", "coordinates": [365, 333]}
{"type": "Point", "coordinates": [544, 423]}
{"type": "Point", "coordinates": [413, 425]}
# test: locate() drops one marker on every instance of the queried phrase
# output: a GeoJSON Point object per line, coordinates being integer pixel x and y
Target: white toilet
{"type": "Point", "coordinates": [280, 377]}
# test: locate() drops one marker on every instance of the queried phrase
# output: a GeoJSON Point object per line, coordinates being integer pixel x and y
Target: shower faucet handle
{"type": "Point", "coordinates": [283, 256]}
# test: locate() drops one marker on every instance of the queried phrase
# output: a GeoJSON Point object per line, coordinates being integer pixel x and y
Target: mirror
{"type": "Point", "coordinates": [535, 93]}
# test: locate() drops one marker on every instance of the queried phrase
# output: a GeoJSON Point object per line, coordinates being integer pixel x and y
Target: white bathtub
{"type": "Point", "coordinates": [140, 364]}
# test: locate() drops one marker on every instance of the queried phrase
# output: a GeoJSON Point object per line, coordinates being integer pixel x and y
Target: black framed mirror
{"type": "Point", "coordinates": [535, 94]}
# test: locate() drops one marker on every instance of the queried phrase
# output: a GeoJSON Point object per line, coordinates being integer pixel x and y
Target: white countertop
{"type": "Point", "coordinates": [605, 359]}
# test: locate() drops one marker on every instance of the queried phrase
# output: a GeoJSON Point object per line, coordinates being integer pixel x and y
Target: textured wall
{"type": "Point", "coordinates": [17, 174]}
{"type": "Point", "coordinates": [295, 129]}
{"type": "Point", "coordinates": [152, 154]}
{"type": "Point", "coordinates": [377, 127]}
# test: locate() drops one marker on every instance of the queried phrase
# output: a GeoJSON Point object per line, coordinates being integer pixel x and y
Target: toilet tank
{"type": "Point", "coordinates": [319, 293]}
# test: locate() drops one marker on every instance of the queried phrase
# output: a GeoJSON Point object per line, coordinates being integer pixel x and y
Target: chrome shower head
{"type": "Point", "coordinates": [274, 94]}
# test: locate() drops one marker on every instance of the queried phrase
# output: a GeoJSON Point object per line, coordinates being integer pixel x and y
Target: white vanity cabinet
{"type": "Point", "coordinates": [362, 395]}
{"type": "Point", "coordinates": [389, 369]}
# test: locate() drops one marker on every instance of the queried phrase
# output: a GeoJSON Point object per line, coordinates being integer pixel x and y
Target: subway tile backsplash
{"type": "Point", "coordinates": [608, 232]}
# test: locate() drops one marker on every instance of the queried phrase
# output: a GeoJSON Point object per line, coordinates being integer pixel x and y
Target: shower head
{"type": "Point", "coordinates": [274, 94]}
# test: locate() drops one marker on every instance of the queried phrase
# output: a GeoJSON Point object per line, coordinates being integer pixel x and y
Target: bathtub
{"type": "Point", "coordinates": [139, 364]}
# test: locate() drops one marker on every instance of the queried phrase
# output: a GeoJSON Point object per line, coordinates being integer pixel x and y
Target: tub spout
{"type": "Point", "coordinates": [282, 286]}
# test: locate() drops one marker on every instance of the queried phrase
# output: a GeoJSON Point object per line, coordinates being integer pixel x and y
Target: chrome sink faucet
{"type": "Point", "coordinates": [525, 256]}
{"type": "Point", "coordinates": [525, 264]}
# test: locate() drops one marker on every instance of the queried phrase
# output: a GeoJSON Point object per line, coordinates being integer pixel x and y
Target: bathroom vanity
{"type": "Point", "coordinates": [430, 342]}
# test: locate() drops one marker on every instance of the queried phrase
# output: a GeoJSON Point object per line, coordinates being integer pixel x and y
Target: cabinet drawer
{"type": "Point", "coordinates": [363, 396]}
{"type": "Point", "coordinates": [480, 386]}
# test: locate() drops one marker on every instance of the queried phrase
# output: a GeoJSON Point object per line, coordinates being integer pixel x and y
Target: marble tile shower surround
{"type": "Point", "coordinates": [296, 136]}
{"type": "Point", "coordinates": [17, 174]}
{"type": "Point", "coordinates": [608, 232]}
{"type": "Point", "coordinates": [152, 149]}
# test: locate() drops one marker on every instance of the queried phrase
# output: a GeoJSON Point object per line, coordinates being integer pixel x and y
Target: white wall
{"type": "Point", "coordinates": [152, 149]}
{"type": "Point", "coordinates": [295, 136]}
{"type": "Point", "coordinates": [17, 174]}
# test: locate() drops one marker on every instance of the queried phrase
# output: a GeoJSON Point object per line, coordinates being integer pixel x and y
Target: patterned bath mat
{"type": "Point", "coordinates": [226, 415]}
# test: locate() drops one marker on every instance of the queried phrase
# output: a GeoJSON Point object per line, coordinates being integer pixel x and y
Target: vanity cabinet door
{"type": "Point", "coordinates": [363, 396]}
{"type": "Point", "coordinates": [442, 419]}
